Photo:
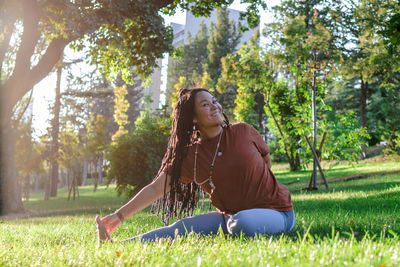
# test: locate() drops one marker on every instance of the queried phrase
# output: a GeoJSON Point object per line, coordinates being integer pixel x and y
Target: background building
{"type": "Point", "coordinates": [192, 24]}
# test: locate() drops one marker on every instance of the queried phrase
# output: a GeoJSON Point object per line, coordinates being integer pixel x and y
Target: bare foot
{"type": "Point", "coordinates": [102, 235]}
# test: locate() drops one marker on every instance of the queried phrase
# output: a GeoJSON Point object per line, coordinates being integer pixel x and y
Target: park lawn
{"type": "Point", "coordinates": [357, 223]}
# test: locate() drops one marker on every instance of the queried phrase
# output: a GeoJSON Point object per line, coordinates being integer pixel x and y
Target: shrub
{"type": "Point", "coordinates": [135, 157]}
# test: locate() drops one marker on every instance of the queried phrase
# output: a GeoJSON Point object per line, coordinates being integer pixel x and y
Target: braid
{"type": "Point", "coordinates": [182, 199]}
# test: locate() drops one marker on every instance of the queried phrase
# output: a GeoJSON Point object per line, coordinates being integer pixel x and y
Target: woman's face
{"type": "Point", "coordinates": [208, 112]}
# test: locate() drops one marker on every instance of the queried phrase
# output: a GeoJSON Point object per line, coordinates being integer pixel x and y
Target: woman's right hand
{"type": "Point", "coordinates": [111, 222]}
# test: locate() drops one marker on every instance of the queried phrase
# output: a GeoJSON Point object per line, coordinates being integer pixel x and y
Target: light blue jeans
{"type": "Point", "coordinates": [249, 222]}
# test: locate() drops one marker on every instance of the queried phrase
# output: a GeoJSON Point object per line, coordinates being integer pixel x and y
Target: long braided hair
{"type": "Point", "coordinates": [182, 199]}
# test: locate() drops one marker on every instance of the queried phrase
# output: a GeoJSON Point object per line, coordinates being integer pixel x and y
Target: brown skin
{"type": "Point", "coordinates": [208, 115]}
{"type": "Point", "coordinates": [208, 119]}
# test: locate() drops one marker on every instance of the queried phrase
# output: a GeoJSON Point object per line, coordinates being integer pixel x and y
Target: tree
{"type": "Point", "coordinates": [295, 38]}
{"type": "Point", "coordinates": [135, 157]}
{"type": "Point", "coordinates": [370, 69]}
{"type": "Point", "coordinates": [109, 29]}
{"type": "Point", "coordinates": [70, 157]}
{"type": "Point", "coordinates": [102, 24]}
{"type": "Point", "coordinates": [96, 143]}
{"type": "Point", "coordinates": [95, 93]}
{"type": "Point", "coordinates": [288, 99]}
{"type": "Point", "coordinates": [224, 39]}
{"type": "Point", "coordinates": [188, 63]}
{"type": "Point", "coordinates": [55, 129]}
{"type": "Point", "coordinates": [106, 31]}
{"type": "Point", "coordinates": [27, 157]}
{"type": "Point", "coordinates": [251, 72]}
{"type": "Point", "coordinates": [391, 27]}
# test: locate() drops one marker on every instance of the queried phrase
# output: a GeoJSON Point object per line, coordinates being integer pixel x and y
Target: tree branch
{"type": "Point", "coordinates": [29, 37]}
{"type": "Point", "coordinates": [162, 3]}
{"type": "Point", "coordinates": [16, 87]}
{"type": "Point", "coordinates": [16, 122]}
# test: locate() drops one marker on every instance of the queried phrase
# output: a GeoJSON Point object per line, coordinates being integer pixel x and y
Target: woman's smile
{"type": "Point", "coordinates": [208, 110]}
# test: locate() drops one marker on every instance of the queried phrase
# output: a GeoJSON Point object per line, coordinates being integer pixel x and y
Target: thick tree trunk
{"type": "Point", "coordinates": [54, 136]}
{"type": "Point", "coordinates": [23, 78]}
{"type": "Point", "coordinates": [363, 111]}
{"type": "Point", "coordinates": [10, 188]}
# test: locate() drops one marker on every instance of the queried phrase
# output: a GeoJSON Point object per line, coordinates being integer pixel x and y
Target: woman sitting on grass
{"type": "Point", "coordinates": [231, 163]}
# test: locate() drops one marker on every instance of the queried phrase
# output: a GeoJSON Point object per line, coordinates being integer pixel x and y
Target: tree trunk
{"type": "Point", "coordinates": [54, 178]}
{"type": "Point", "coordinates": [36, 184]}
{"type": "Point", "coordinates": [96, 175]}
{"type": "Point", "coordinates": [27, 187]}
{"type": "Point", "coordinates": [85, 172]}
{"type": "Point", "coordinates": [363, 111]}
{"type": "Point", "coordinates": [67, 180]}
{"type": "Point", "coordinates": [294, 162]}
{"type": "Point", "coordinates": [100, 169]}
{"type": "Point", "coordinates": [70, 184]}
{"type": "Point", "coordinates": [11, 191]}
{"type": "Point", "coordinates": [73, 187]}
{"type": "Point", "coordinates": [74, 183]}
{"type": "Point", "coordinates": [54, 136]}
{"type": "Point", "coordinates": [61, 178]}
{"type": "Point", "coordinates": [47, 185]}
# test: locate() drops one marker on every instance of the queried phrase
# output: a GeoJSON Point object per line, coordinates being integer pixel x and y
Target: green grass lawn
{"type": "Point", "coordinates": [357, 223]}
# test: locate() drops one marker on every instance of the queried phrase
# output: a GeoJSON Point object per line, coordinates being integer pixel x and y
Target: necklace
{"type": "Point", "coordinates": [211, 166]}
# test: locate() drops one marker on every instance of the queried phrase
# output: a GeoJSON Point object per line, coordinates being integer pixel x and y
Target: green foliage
{"type": "Point", "coordinates": [71, 153]}
{"type": "Point", "coordinates": [187, 62]}
{"type": "Point", "coordinates": [300, 49]}
{"type": "Point", "coordinates": [386, 20]}
{"type": "Point", "coordinates": [97, 138]}
{"type": "Point", "coordinates": [250, 72]}
{"type": "Point", "coordinates": [383, 114]}
{"type": "Point", "coordinates": [346, 138]}
{"type": "Point", "coordinates": [224, 37]}
{"type": "Point", "coordinates": [289, 118]}
{"type": "Point", "coordinates": [135, 157]}
{"type": "Point", "coordinates": [111, 37]}
{"type": "Point", "coordinates": [394, 146]}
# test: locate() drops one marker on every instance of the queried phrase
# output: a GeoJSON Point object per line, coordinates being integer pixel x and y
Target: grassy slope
{"type": "Point", "coordinates": [357, 223]}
